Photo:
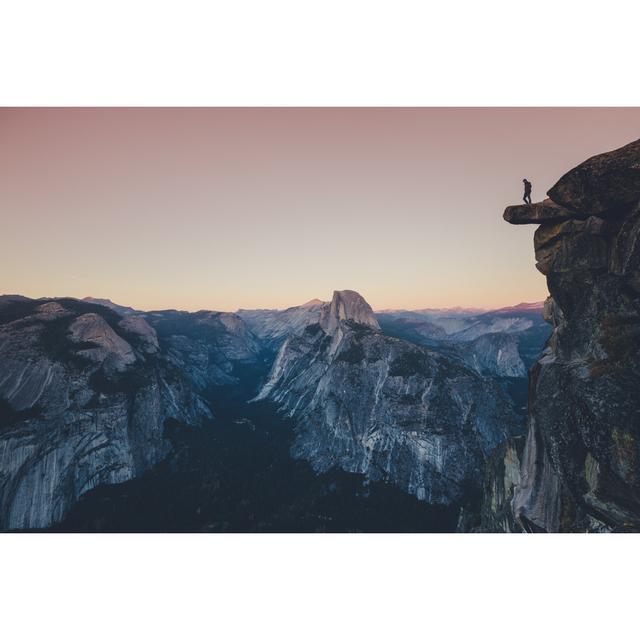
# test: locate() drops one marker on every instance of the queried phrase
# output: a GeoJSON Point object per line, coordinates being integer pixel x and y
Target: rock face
{"type": "Point", "coordinates": [347, 305]}
{"type": "Point", "coordinates": [208, 347]}
{"type": "Point", "coordinates": [86, 389]}
{"type": "Point", "coordinates": [103, 345]}
{"type": "Point", "coordinates": [501, 481]}
{"type": "Point", "coordinates": [386, 408]}
{"type": "Point", "coordinates": [84, 398]}
{"type": "Point", "coordinates": [537, 213]}
{"type": "Point", "coordinates": [272, 327]}
{"type": "Point", "coordinates": [601, 185]}
{"type": "Point", "coordinates": [494, 354]}
{"type": "Point", "coordinates": [580, 468]}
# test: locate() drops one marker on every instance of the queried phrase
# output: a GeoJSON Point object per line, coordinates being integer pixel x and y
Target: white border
{"type": "Point", "coordinates": [324, 586]}
{"type": "Point", "coordinates": [318, 53]}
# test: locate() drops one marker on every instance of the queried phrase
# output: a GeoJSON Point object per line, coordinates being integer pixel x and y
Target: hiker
{"type": "Point", "coordinates": [527, 191]}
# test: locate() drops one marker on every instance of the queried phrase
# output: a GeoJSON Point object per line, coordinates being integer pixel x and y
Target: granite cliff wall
{"type": "Point", "coordinates": [580, 467]}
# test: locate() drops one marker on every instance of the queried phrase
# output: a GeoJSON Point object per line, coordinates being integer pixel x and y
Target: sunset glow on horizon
{"type": "Point", "coordinates": [267, 208]}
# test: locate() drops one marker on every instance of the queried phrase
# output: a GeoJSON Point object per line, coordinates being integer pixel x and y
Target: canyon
{"type": "Point", "coordinates": [95, 394]}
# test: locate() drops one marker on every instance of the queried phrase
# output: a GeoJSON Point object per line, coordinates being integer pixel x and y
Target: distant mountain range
{"type": "Point", "coordinates": [465, 311]}
{"type": "Point", "coordinates": [315, 302]}
{"type": "Point", "coordinates": [415, 398]}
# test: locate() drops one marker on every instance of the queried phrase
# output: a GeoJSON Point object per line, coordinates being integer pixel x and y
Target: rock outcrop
{"type": "Point", "coordinates": [383, 407]}
{"type": "Point", "coordinates": [580, 468]}
{"type": "Point", "coordinates": [537, 213]}
{"type": "Point", "coordinates": [601, 185]}
{"type": "Point", "coordinates": [100, 343]}
{"type": "Point", "coordinates": [347, 306]}
{"type": "Point", "coordinates": [84, 399]}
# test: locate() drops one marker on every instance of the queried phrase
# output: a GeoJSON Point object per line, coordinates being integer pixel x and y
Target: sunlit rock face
{"type": "Point", "coordinates": [580, 468]}
{"type": "Point", "coordinates": [381, 406]}
{"type": "Point", "coordinates": [84, 398]}
{"type": "Point", "coordinates": [347, 305]}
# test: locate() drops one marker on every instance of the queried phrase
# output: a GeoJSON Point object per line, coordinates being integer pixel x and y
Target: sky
{"type": "Point", "coordinates": [266, 208]}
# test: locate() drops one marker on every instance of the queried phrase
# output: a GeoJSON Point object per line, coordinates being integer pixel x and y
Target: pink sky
{"type": "Point", "coordinates": [229, 208]}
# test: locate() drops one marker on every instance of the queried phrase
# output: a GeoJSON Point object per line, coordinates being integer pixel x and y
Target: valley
{"type": "Point", "coordinates": [236, 475]}
{"type": "Point", "coordinates": [73, 406]}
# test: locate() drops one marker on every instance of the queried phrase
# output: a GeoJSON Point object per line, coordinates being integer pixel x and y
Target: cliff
{"type": "Point", "coordinates": [208, 347]}
{"type": "Point", "coordinates": [84, 398]}
{"type": "Point", "coordinates": [580, 468]}
{"type": "Point", "coordinates": [383, 407]}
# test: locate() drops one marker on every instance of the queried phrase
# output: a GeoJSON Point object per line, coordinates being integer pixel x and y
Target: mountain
{"type": "Point", "coordinates": [418, 330]}
{"type": "Point", "coordinates": [444, 311]}
{"type": "Point", "coordinates": [522, 306]}
{"type": "Point", "coordinates": [463, 327]}
{"type": "Point", "coordinates": [207, 346]}
{"type": "Point", "coordinates": [88, 391]}
{"type": "Point", "coordinates": [272, 326]}
{"type": "Point", "coordinates": [380, 406]}
{"type": "Point", "coordinates": [105, 302]}
{"type": "Point", "coordinates": [504, 342]}
{"type": "Point", "coordinates": [440, 323]}
{"type": "Point", "coordinates": [312, 304]}
{"type": "Point", "coordinates": [579, 469]}
{"type": "Point", "coordinates": [210, 347]}
{"type": "Point", "coordinates": [85, 397]}
{"type": "Point", "coordinates": [94, 395]}
{"type": "Point", "coordinates": [494, 354]}
{"type": "Point", "coordinates": [347, 307]}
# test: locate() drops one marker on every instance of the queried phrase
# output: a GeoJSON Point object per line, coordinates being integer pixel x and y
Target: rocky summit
{"type": "Point", "coordinates": [380, 406]}
{"type": "Point", "coordinates": [579, 469]}
{"type": "Point", "coordinates": [347, 306]}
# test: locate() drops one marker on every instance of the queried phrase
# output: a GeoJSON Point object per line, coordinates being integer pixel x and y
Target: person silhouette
{"type": "Point", "coordinates": [527, 191]}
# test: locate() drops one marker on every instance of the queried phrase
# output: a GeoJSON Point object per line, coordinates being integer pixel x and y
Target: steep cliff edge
{"type": "Point", "coordinates": [383, 407]}
{"type": "Point", "coordinates": [580, 468]}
